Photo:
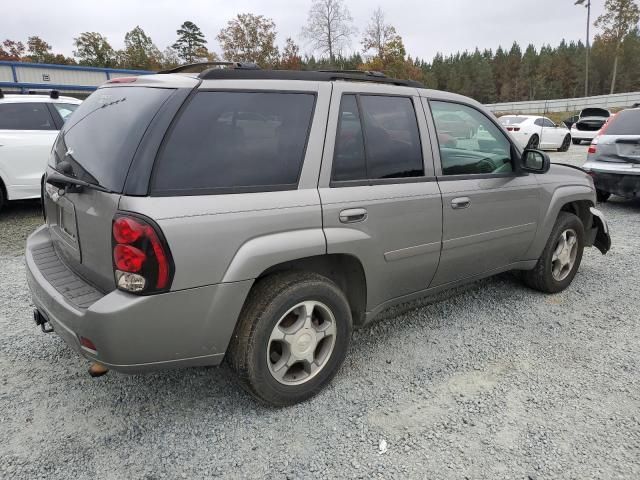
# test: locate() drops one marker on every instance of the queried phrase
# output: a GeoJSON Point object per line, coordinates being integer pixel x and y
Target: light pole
{"type": "Point", "coordinates": [586, 3]}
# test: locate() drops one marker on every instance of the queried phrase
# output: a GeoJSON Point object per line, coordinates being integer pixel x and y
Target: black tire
{"type": "Point", "coordinates": [602, 196]}
{"type": "Point", "coordinates": [575, 141]}
{"type": "Point", "coordinates": [566, 143]}
{"type": "Point", "coordinates": [2, 197]}
{"type": "Point", "coordinates": [534, 142]}
{"type": "Point", "coordinates": [541, 277]}
{"type": "Point", "coordinates": [269, 300]}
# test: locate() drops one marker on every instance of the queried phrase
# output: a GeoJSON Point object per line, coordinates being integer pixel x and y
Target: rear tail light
{"type": "Point", "coordinates": [513, 129]}
{"type": "Point", "coordinates": [142, 261]}
{"type": "Point", "coordinates": [593, 148]}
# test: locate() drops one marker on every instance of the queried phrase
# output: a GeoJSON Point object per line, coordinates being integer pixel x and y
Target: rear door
{"type": "Point", "coordinates": [27, 132]}
{"type": "Point", "coordinates": [97, 145]}
{"type": "Point", "coordinates": [380, 201]}
{"type": "Point", "coordinates": [490, 210]}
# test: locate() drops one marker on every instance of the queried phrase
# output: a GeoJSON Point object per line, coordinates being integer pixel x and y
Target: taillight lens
{"type": "Point", "coordinates": [141, 258]}
{"type": "Point", "coordinates": [593, 148]}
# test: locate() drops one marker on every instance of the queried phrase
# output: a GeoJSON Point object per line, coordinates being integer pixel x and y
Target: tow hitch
{"type": "Point", "coordinates": [42, 321]}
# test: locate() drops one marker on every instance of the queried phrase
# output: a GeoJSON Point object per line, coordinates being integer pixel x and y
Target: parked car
{"type": "Point", "coordinates": [176, 236]}
{"type": "Point", "coordinates": [614, 156]}
{"type": "Point", "coordinates": [531, 131]}
{"type": "Point", "coordinates": [590, 121]}
{"type": "Point", "coordinates": [29, 125]}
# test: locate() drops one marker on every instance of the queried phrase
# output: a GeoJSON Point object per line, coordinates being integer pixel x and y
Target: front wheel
{"type": "Point", "coordinates": [566, 143]}
{"type": "Point", "coordinates": [292, 337]}
{"type": "Point", "coordinates": [561, 257]}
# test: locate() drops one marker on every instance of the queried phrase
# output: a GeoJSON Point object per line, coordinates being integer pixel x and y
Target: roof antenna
{"type": "Point", "coordinates": [1, 94]}
{"type": "Point", "coordinates": [55, 94]}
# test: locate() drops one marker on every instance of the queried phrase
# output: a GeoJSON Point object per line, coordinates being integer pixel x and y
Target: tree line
{"type": "Point", "coordinates": [501, 75]}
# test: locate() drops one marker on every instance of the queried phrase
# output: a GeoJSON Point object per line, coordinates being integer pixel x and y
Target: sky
{"type": "Point", "coordinates": [427, 26]}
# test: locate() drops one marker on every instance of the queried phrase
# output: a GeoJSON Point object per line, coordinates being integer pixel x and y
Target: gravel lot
{"type": "Point", "coordinates": [491, 381]}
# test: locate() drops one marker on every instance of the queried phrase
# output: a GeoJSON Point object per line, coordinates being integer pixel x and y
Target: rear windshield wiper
{"type": "Point", "coordinates": [71, 184]}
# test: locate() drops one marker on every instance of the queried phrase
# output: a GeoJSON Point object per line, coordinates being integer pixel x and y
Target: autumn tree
{"type": "Point", "coordinates": [250, 38]}
{"type": "Point", "coordinates": [291, 59]}
{"type": "Point", "coordinates": [378, 34]}
{"type": "Point", "coordinates": [11, 50]}
{"type": "Point", "coordinates": [329, 27]}
{"type": "Point", "coordinates": [139, 51]}
{"type": "Point", "coordinates": [191, 43]}
{"type": "Point", "coordinates": [93, 49]}
{"type": "Point", "coordinates": [619, 19]}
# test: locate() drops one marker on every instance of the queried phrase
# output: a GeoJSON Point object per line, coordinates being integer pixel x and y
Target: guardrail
{"type": "Point", "coordinates": [617, 100]}
{"type": "Point", "coordinates": [23, 76]}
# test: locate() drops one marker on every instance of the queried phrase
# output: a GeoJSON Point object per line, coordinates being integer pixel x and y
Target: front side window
{"type": "Point", "coordinates": [470, 143]}
{"type": "Point", "coordinates": [234, 141]}
{"type": "Point", "coordinates": [377, 138]}
{"type": "Point", "coordinates": [65, 109]}
{"type": "Point", "coordinates": [25, 116]}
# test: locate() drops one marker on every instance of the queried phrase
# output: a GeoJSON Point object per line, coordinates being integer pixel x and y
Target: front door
{"type": "Point", "coordinates": [380, 200]}
{"type": "Point", "coordinates": [490, 210]}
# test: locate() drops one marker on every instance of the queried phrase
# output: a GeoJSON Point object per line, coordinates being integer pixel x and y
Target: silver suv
{"type": "Point", "coordinates": [260, 216]}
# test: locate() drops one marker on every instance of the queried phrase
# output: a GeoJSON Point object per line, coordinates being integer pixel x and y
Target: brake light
{"type": "Point", "coordinates": [513, 129]}
{"type": "Point", "coordinates": [123, 80]}
{"type": "Point", "coordinates": [141, 257]}
{"type": "Point", "coordinates": [593, 148]}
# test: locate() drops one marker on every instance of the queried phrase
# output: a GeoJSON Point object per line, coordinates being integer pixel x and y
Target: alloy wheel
{"type": "Point", "coordinates": [564, 255]}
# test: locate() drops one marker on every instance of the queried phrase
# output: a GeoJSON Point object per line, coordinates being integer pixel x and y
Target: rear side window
{"type": "Point", "coordinates": [65, 109]}
{"type": "Point", "coordinates": [25, 116]}
{"type": "Point", "coordinates": [227, 142]}
{"type": "Point", "coordinates": [626, 122]}
{"type": "Point", "coordinates": [377, 138]}
{"type": "Point", "coordinates": [102, 136]}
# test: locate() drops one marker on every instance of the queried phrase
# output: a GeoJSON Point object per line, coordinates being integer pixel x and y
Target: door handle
{"type": "Point", "coordinates": [460, 203]}
{"type": "Point", "coordinates": [353, 215]}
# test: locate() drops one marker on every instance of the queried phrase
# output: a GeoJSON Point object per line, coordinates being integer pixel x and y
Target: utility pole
{"type": "Point", "coordinates": [586, 3]}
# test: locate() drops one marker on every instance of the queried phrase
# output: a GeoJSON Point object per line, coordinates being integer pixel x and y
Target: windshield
{"type": "Point", "coordinates": [101, 137]}
{"type": "Point", "coordinates": [511, 120]}
{"type": "Point", "coordinates": [626, 122]}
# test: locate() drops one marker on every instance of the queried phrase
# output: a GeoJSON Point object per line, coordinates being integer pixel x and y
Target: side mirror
{"type": "Point", "coordinates": [535, 161]}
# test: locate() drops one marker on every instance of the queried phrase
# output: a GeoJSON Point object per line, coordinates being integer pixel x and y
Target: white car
{"type": "Point", "coordinates": [588, 124]}
{"type": "Point", "coordinates": [29, 125]}
{"type": "Point", "coordinates": [531, 131]}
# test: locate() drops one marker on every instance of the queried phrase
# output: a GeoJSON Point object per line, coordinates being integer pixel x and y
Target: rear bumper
{"type": "Point", "coordinates": [583, 134]}
{"type": "Point", "coordinates": [138, 334]}
{"type": "Point", "coordinates": [622, 183]}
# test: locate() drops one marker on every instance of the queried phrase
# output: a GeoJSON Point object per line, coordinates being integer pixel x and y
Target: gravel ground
{"type": "Point", "coordinates": [491, 381]}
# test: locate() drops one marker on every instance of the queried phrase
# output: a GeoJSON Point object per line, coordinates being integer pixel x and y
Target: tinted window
{"type": "Point", "coordinates": [392, 139]}
{"type": "Point", "coordinates": [539, 122]}
{"type": "Point", "coordinates": [349, 159]}
{"type": "Point", "coordinates": [485, 150]}
{"type": "Point", "coordinates": [101, 137]}
{"type": "Point", "coordinates": [65, 109]}
{"type": "Point", "coordinates": [226, 141]}
{"type": "Point", "coordinates": [25, 116]}
{"type": "Point", "coordinates": [548, 123]}
{"type": "Point", "coordinates": [384, 131]}
{"type": "Point", "coordinates": [626, 122]}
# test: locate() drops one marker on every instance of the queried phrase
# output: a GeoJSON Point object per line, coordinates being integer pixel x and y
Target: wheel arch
{"type": "Point", "coordinates": [344, 270]}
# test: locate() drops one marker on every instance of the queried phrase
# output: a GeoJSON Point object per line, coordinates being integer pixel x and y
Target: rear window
{"type": "Point", "coordinates": [25, 116]}
{"type": "Point", "coordinates": [511, 120]}
{"type": "Point", "coordinates": [226, 142]}
{"type": "Point", "coordinates": [101, 137]}
{"type": "Point", "coordinates": [626, 122]}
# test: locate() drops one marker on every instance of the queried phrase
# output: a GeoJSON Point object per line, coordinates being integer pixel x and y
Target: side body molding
{"type": "Point", "coordinates": [260, 253]}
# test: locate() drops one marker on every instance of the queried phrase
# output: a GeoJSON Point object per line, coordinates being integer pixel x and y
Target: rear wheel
{"type": "Point", "coordinates": [576, 141]}
{"type": "Point", "coordinates": [292, 338]}
{"type": "Point", "coordinates": [566, 143]}
{"type": "Point", "coordinates": [602, 196]}
{"type": "Point", "coordinates": [561, 257]}
{"type": "Point", "coordinates": [534, 142]}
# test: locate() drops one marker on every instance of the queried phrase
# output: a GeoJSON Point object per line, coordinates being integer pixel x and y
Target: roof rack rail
{"type": "Point", "coordinates": [193, 67]}
{"type": "Point", "coordinates": [371, 73]}
{"type": "Point", "coordinates": [309, 75]}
